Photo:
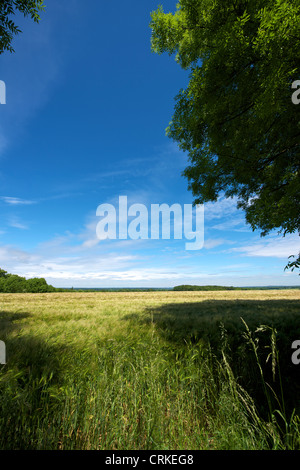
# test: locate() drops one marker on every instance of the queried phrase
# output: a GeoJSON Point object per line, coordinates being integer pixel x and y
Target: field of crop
{"type": "Point", "coordinates": [150, 370]}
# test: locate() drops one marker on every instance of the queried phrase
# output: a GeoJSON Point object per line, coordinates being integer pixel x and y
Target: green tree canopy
{"type": "Point", "coordinates": [3, 273]}
{"type": "Point", "coordinates": [15, 283]}
{"type": "Point", "coordinates": [236, 119]}
{"type": "Point", "coordinates": [8, 29]}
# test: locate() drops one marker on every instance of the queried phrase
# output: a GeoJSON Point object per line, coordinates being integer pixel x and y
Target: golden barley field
{"type": "Point", "coordinates": [150, 370]}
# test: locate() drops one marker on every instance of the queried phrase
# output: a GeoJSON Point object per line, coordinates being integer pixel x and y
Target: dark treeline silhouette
{"type": "Point", "coordinates": [187, 287]}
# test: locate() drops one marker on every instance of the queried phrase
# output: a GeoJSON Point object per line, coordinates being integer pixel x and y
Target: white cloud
{"type": "Point", "coordinates": [96, 267]}
{"type": "Point", "coordinates": [276, 247]}
{"type": "Point", "coordinates": [213, 243]}
{"type": "Point", "coordinates": [224, 207]}
{"type": "Point", "coordinates": [16, 201]}
{"type": "Point", "coordinates": [232, 225]}
{"type": "Point", "coordinates": [11, 256]}
{"type": "Point", "coordinates": [80, 259]}
{"type": "Point", "coordinates": [15, 223]}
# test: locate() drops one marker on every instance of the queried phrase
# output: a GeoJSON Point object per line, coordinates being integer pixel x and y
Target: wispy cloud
{"type": "Point", "coordinates": [16, 201]}
{"type": "Point", "coordinates": [232, 225]}
{"type": "Point", "coordinates": [273, 246]}
{"type": "Point", "coordinates": [16, 223]}
{"type": "Point", "coordinates": [12, 257]}
{"type": "Point", "coordinates": [65, 262]}
{"type": "Point", "coordinates": [210, 243]}
{"type": "Point", "coordinates": [223, 207]}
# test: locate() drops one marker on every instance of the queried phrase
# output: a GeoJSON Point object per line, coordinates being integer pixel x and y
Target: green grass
{"type": "Point", "coordinates": [150, 370]}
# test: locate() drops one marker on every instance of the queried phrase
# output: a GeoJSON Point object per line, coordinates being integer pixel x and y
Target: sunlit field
{"type": "Point", "coordinates": [150, 370]}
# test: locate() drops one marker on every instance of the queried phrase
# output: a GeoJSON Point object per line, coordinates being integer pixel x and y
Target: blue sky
{"type": "Point", "coordinates": [87, 105]}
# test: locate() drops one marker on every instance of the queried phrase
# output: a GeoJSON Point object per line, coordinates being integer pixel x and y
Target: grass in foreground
{"type": "Point", "coordinates": [155, 370]}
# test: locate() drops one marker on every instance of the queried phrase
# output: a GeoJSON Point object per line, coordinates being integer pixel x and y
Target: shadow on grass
{"type": "Point", "coordinates": [26, 350]}
{"type": "Point", "coordinates": [218, 325]}
{"type": "Point", "coordinates": [9, 321]}
{"type": "Point", "coordinates": [192, 321]}
{"type": "Point", "coordinates": [204, 320]}
{"type": "Point", "coordinates": [33, 370]}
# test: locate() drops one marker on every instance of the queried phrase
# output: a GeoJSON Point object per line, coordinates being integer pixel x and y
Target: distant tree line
{"type": "Point", "coordinates": [214, 288]}
{"type": "Point", "coordinates": [14, 283]}
{"type": "Point", "coordinates": [205, 288]}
